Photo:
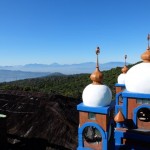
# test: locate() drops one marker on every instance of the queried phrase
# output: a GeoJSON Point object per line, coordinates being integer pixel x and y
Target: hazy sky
{"type": "Point", "coordinates": [68, 31]}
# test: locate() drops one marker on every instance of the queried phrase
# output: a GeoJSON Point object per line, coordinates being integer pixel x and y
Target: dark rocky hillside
{"type": "Point", "coordinates": [38, 121]}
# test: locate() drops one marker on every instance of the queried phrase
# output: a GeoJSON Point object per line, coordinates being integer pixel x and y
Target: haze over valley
{"type": "Point", "coordinates": [12, 73]}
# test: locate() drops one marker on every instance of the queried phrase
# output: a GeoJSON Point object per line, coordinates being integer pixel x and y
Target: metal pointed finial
{"type": "Point", "coordinates": [146, 55]}
{"type": "Point", "coordinates": [148, 38]}
{"type": "Point", "coordinates": [97, 52]}
{"type": "Point", "coordinates": [97, 75]}
{"type": "Point", "coordinates": [125, 57]}
{"type": "Point", "coordinates": [125, 68]}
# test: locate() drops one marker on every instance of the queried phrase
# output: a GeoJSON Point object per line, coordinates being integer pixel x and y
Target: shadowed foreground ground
{"type": "Point", "coordinates": [37, 121]}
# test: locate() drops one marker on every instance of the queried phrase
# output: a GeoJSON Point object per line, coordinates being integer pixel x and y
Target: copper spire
{"type": "Point", "coordinates": [146, 55]}
{"type": "Point", "coordinates": [119, 117]}
{"type": "Point", "coordinates": [97, 76]}
{"type": "Point", "coordinates": [148, 38]}
{"type": "Point", "coordinates": [125, 68]}
{"type": "Point", "coordinates": [97, 52]}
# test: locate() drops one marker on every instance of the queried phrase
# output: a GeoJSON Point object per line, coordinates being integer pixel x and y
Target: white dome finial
{"type": "Point", "coordinates": [138, 77]}
{"type": "Point", "coordinates": [96, 94]}
{"type": "Point", "coordinates": [97, 76]}
{"type": "Point", "coordinates": [146, 55]}
{"type": "Point", "coordinates": [121, 77]}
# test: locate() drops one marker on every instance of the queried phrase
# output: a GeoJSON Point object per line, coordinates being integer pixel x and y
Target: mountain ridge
{"type": "Point", "coordinates": [86, 67]}
{"type": "Point", "coordinates": [13, 75]}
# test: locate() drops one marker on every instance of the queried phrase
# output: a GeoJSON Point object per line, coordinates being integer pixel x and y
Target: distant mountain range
{"type": "Point", "coordinates": [11, 73]}
{"type": "Point", "coordinates": [87, 67]}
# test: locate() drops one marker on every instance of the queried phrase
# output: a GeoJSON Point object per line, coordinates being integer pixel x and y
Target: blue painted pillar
{"type": "Point", "coordinates": [125, 106]}
{"type": "Point", "coordinates": [80, 140]}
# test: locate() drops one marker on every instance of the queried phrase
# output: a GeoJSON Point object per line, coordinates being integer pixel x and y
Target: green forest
{"type": "Point", "coordinates": [66, 85]}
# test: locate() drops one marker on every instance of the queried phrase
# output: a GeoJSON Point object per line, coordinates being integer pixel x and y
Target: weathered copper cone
{"type": "Point", "coordinates": [119, 117]}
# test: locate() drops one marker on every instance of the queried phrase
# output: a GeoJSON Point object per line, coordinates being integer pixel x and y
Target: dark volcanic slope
{"type": "Point", "coordinates": [38, 121]}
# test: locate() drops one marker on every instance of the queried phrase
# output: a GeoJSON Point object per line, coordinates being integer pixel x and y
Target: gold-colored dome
{"type": "Point", "coordinates": [97, 75]}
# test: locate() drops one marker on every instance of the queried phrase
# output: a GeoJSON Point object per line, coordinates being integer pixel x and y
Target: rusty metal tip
{"type": "Point", "coordinates": [97, 47]}
{"type": "Point", "coordinates": [148, 37]}
{"type": "Point", "coordinates": [97, 50]}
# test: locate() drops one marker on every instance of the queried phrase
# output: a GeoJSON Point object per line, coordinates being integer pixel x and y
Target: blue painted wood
{"type": "Point", "coordinates": [117, 97]}
{"type": "Point", "coordinates": [135, 113]}
{"type": "Point", "coordinates": [134, 95]}
{"type": "Point", "coordinates": [119, 85]}
{"type": "Point", "coordinates": [117, 106]}
{"type": "Point", "coordinates": [118, 137]}
{"type": "Point", "coordinates": [100, 129]}
{"type": "Point", "coordinates": [125, 107]}
{"type": "Point", "coordinates": [101, 110]}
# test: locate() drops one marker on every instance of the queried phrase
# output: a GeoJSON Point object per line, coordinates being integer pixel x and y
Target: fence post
{"type": "Point", "coordinates": [3, 132]}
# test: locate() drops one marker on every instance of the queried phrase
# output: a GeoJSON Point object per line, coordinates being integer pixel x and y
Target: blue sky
{"type": "Point", "coordinates": [68, 31]}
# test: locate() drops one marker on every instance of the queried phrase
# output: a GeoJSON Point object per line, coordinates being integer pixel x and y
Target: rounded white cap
{"type": "Point", "coordinates": [138, 78]}
{"type": "Point", "coordinates": [96, 95]}
{"type": "Point", "coordinates": [121, 78]}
